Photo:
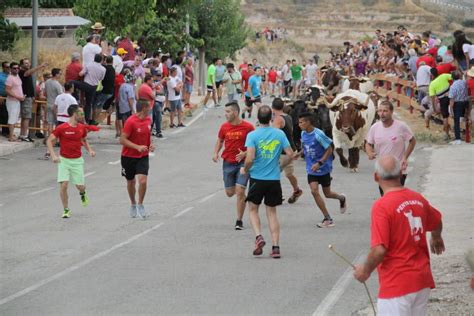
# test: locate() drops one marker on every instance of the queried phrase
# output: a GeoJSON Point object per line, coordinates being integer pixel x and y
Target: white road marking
{"type": "Point", "coordinates": [338, 289]}
{"type": "Point", "coordinates": [77, 266]}
{"type": "Point", "coordinates": [41, 191]}
{"type": "Point", "coordinates": [180, 129]}
{"type": "Point", "coordinates": [116, 162]}
{"type": "Point", "coordinates": [110, 150]}
{"type": "Point", "coordinates": [183, 212]}
{"type": "Point", "coordinates": [89, 174]}
{"type": "Point", "coordinates": [204, 199]}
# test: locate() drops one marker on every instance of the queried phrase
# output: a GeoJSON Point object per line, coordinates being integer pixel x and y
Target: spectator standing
{"type": "Point", "coordinates": [458, 52]}
{"type": "Point", "coordinates": [272, 80]}
{"type": "Point", "coordinates": [105, 97]}
{"type": "Point", "coordinates": [28, 86]}
{"type": "Point", "coordinates": [444, 67]}
{"type": "Point", "coordinates": [3, 93]}
{"type": "Point", "coordinates": [158, 105]}
{"type": "Point", "coordinates": [73, 69]}
{"type": "Point", "coordinates": [412, 61]}
{"type": "Point", "coordinates": [296, 77]}
{"type": "Point", "coordinates": [399, 249]}
{"type": "Point", "coordinates": [311, 73]}
{"type": "Point", "coordinates": [286, 74]}
{"type": "Point", "coordinates": [423, 80]}
{"type": "Point", "coordinates": [93, 74]}
{"type": "Point", "coordinates": [136, 65]}
{"type": "Point", "coordinates": [459, 103]}
{"type": "Point", "coordinates": [118, 60]}
{"type": "Point", "coordinates": [174, 86]}
{"type": "Point", "coordinates": [146, 91]}
{"type": "Point", "coordinates": [439, 90]}
{"type": "Point", "coordinates": [264, 146]}
{"type": "Point", "coordinates": [126, 100]}
{"type": "Point", "coordinates": [188, 81]}
{"type": "Point", "coordinates": [389, 137]}
{"type": "Point", "coordinates": [468, 50]}
{"type": "Point", "coordinates": [14, 91]}
{"type": "Point", "coordinates": [220, 71]}
{"type": "Point", "coordinates": [52, 89]}
{"type": "Point", "coordinates": [91, 49]}
{"type": "Point", "coordinates": [211, 84]}
{"type": "Point", "coordinates": [126, 44]}
{"type": "Point", "coordinates": [63, 102]}
{"type": "Point", "coordinates": [232, 80]}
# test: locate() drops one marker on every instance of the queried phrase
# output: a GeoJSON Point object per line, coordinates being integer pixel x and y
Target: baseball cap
{"type": "Point", "coordinates": [121, 51]}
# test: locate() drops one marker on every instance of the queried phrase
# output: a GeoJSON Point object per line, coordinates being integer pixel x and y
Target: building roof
{"type": "Point", "coordinates": [46, 17]}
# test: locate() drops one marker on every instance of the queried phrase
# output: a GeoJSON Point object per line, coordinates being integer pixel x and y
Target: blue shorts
{"type": "Point", "coordinates": [188, 88]}
{"type": "Point", "coordinates": [232, 175]}
{"type": "Point", "coordinates": [175, 105]}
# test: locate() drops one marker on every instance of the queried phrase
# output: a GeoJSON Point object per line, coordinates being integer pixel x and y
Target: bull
{"type": "Point", "coordinates": [352, 114]}
{"type": "Point", "coordinates": [330, 80]}
{"type": "Point", "coordinates": [363, 84]}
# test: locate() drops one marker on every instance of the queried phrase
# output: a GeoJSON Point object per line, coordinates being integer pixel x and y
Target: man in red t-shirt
{"type": "Point", "coordinates": [272, 79]}
{"type": "Point", "coordinates": [74, 68]}
{"type": "Point", "coordinates": [136, 141]}
{"type": "Point", "coordinates": [428, 59]}
{"type": "Point", "coordinates": [444, 67]}
{"type": "Point", "coordinates": [72, 136]}
{"type": "Point", "coordinates": [399, 250]}
{"type": "Point", "coordinates": [232, 135]}
{"type": "Point", "coordinates": [146, 91]}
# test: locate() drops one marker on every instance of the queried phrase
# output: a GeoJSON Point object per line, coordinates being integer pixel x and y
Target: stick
{"type": "Point", "coordinates": [331, 247]}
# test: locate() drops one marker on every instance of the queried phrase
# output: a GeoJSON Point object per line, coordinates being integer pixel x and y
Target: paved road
{"type": "Point", "coordinates": [186, 258]}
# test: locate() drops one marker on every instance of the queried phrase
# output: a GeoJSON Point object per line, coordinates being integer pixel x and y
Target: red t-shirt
{"type": "Point", "coordinates": [400, 220]}
{"type": "Point", "coordinates": [234, 139]}
{"type": "Point", "coordinates": [429, 61]}
{"type": "Point", "coordinates": [272, 76]}
{"type": "Point", "coordinates": [470, 87]}
{"type": "Point", "coordinates": [243, 66]}
{"type": "Point", "coordinates": [165, 71]}
{"type": "Point", "coordinates": [146, 92]}
{"type": "Point", "coordinates": [128, 46]}
{"type": "Point", "coordinates": [245, 79]}
{"type": "Point", "coordinates": [139, 133]}
{"type": "Point", "coordinates": [445, 68]}
{"type": "Point", "coordinates": [71, 139]}
{"type": "Point", "coordinates": [72, 71]}
{"type": "Point", "coordinates": [119, 80]}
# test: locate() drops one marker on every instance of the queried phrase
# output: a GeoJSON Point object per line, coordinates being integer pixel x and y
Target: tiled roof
{"type": "Point", "coordinates": [27, 12]}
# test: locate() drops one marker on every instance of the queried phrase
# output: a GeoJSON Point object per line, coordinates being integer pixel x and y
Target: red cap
{"type": "Point", "coordinates": [433, 51]}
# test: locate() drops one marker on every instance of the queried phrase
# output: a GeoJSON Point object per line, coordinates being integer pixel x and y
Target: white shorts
{"type": "Point", "coordinates": [296, 83]}
{"type": "Point", "coordinates": [413, 304]}
{"type": "Point", "coordinates": [13, 108]}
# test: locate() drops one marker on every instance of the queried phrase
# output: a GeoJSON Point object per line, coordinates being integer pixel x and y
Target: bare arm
{"type": "Point", "coordinates": [278, 122]}
{"type": "Point", "coordinates": [130, 104]}
{"type": "Point", "coordinates": [249, 158]}
{"type": "Point", "coordinates": [436, 241]}
{"type": "Point", "coordinates": [31, 71]}
{"type": "Point", "coordinates": [410, 148]}
{"type": "Point", "coordinates": [369, 149]}
{"type": "Point", "coordinates": [88, 147]}
{"type": "Point", "coordinates": [8, 90]}
{"type": "Point", "coordinates": [217, 149]}
{"type": "Point", "coordinates": [49, 143]}
{"type": "Point", "coordinates": [127, 143]}
{"type": "Point", "coordinates": [374, 258]}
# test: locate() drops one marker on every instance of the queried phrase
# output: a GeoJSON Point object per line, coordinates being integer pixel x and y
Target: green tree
{"type": "Point", "coordinates": [9, 32]}
{"type": "Point", "coordinates": [118, 16]}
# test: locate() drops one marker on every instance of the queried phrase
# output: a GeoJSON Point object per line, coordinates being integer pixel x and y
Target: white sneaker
{"type": "Point", "coordinates": [455, 142]}
{"type": "Point", "coordinates": [133, 211]}
{"type": "Point", "coordinates": [141, 214]}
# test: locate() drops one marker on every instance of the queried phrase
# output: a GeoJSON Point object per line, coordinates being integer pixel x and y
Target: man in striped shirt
{"type": "Point", "coordinates": [459, 102]}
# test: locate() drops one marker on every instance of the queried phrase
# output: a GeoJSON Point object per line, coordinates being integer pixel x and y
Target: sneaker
{"type": "Point", "coordinates": [25, 139]}
{"type": "Point", "coordinates": [239, 225]}
{"type": "Point", "coordinates": [181, 125]}
{"type": "Point", "coordinates": [455, 142]}
{"type": "Point", "coordinates": [172, 125]}
{"type": "Point", "coordinates": [84, 199]}
{"type": "Point", "coordinates": [159, 135]}
{"type": "Point", "coordinates": [259, 243]}
{"type": "Point", "coordinates": [133, 211]}
{"type": "Point", "coordinates": [66, 213]}
{"type": "Point", "coordinates": [327, 222]}
{"type": "Point", "coordinates": [343, 205]}
{"type": "Point", "coordinates": [141, 214]}
{"type": "Point", "coordinates": [47, 156]}
{"type": "Point", "coordinates": [275, 252]}
{"type": "Point", "coordinates": [294, 197]}
{"type": "Point", "coordinates": [39, 135]}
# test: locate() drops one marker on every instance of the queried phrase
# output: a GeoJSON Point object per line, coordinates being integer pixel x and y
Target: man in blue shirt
{"type": "Point", "coordinates": [264, 147]}
{"type": "Point", "coordinates": [252, 95]}
{"type": "Point", "coordinates": [3, 93]}
{"type": "Point", "coordinates": [318, 155]}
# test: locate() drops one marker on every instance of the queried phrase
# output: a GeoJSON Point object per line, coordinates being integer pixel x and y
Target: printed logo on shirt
{"type": "Point", "coordinates": [69, 133]}
{"type": "Point", "coordinates": [416, 226]}
{"type": "Point", "coordinates": [394, 138]}
{"type": "Point", "coordinates": [268, 148]}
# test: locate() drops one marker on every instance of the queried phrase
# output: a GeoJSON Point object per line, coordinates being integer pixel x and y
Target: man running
{"type": "Point", "coordinates": [285, 123]}
{"type": "Point", "coordinates": [253, 95]}
{"type": "Point", "coordinates": [296, 77]}
{"type": "Point", "coordinates": [72, 135]}
{"type": "Point", "coordinates": [136, 141]}
{"type": "Point", "coordinates": [264, 146]}
{"type": "Point", "coordinates": [388, 137]}
{"type": "Point", "coordinates": [318, 155]}
{"type": "Point", "coordinates": [211, 84]}
{"type": "Point", "coordinates": [232, 135]}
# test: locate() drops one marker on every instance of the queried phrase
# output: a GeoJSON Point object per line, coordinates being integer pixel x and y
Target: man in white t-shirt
{"type": "Point", "coordinates": [423, 79]}
{"type": "Point", "coordinates": [286, 74]}
{"type": "Point", "coordinates": [174, 85]}
{"type": "Point", "coordinates": [62, 103]}
{"type": "Point", "coordinates": [311, 73]}
{"type": "Point", "coordinates": [468, 50]}
{"type": "Point", "coordinates": [91, 49]}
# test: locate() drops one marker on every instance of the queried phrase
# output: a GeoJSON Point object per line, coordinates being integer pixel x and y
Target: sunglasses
{"type": "Point", "coordinates": [15, 67]}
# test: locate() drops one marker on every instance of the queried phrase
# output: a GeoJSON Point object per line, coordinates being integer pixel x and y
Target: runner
{"type": "Point", "coordinates": [232, 135]}
{"type": "Point", "coordinates": [211, 84]}
{"type": "Point", "coordinates": [253, 95]}
{"type": "Point", "coordinates": [72, 136]}
{"type": "Point", "coordinates": [264, 146]}
{"type": "Point", "coordinates": [285, 123]}
{"type": "Point", "coordinates": [318, 155]}
{"type": "Point", "coordinates": [296, 77]}
{"type": "Point", "coordinates": [311, 73]}
{"type": "Point", "coordinates": [136, 141]}
{"type": "Point", "coordinates": [388, 137]}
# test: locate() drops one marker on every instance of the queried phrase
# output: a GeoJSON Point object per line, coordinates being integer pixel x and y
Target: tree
{"type": "Point", "coordinates": [118, 16]}
{"type": "Point", "coordinates": [9, 32]}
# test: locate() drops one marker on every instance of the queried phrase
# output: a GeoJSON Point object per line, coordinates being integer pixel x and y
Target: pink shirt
{"type": "Point", "coordinates": [389, 140]}
{"type": "Point", "coordinates": [15, 83]}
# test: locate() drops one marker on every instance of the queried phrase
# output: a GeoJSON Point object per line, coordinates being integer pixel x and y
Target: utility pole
{"type": "Point", "coordinates": [34, 36]}
{"type": "Point", "coordinates": [187, 32]}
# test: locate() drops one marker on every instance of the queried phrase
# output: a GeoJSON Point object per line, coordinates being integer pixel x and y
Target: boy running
{"type": "Point", "coordinates": [318, 155]}
{"type": "Point", "coordinates": [72, 135]}
{"type": "Point", "coordinates": [232, 135]}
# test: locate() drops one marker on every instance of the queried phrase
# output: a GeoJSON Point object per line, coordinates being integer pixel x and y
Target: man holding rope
{"type": "Point", "coordinates": [399, 250]}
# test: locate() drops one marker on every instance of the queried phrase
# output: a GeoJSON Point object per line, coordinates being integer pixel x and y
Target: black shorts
{"type": "Point", "coordinates": [270, 190]}
{"type": "Point", "coordinates": [444, 106]}
{"type": "Point", "coordinates": [324, 180]}
{"type": "Point", "coordinates": [249, 103]}
{"type": "Point", "coordinates": [218, 84]}
{"type": "Point", "coordinates": [133, 166]}
{"type": "Point", "coordinates": [210, 88]}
